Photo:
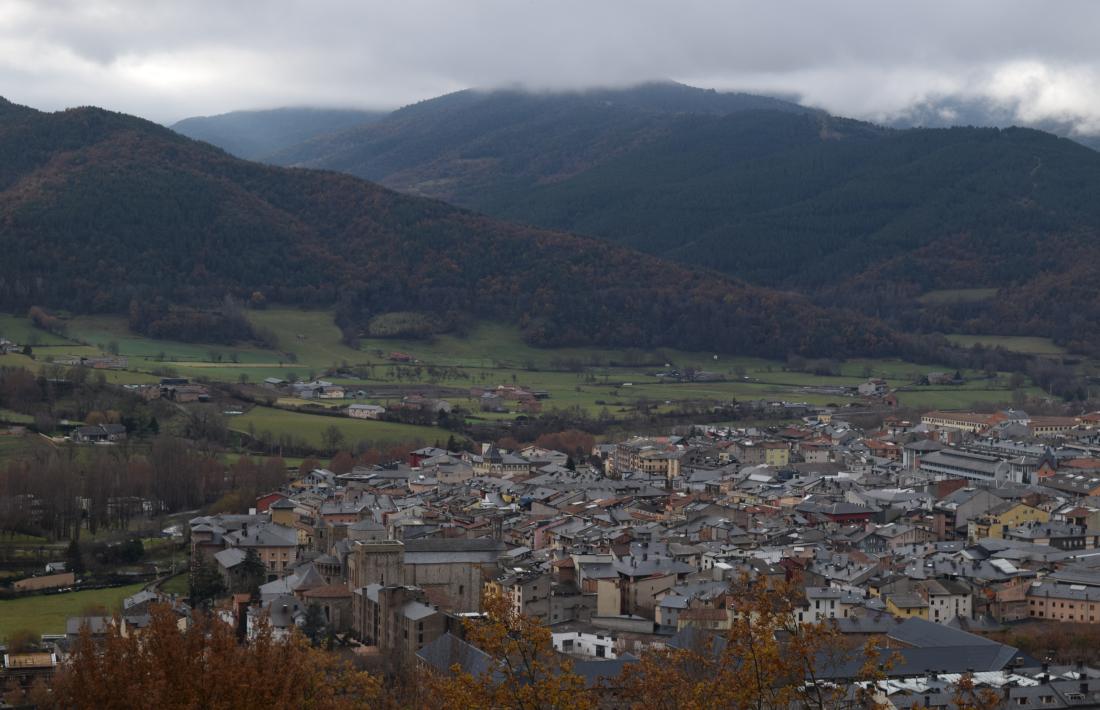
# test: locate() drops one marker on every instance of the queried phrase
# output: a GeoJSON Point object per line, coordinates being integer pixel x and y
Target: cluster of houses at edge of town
{"type": "Point", "coordinates": [919, 533]}
{"type": "Point", "coordinates": [501, 398]}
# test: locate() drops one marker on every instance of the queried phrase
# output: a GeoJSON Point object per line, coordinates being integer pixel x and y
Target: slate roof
{"type": "Point", "coordinates": [266, 535]}
{"type": "Point", "coordinates": [927, 634]}
{"type": "Point", "coordinates": [230, 558]}
{"type": "Point", "coordinates": [596, 671]}
{"type": "Point", "coordinates": [449, 650]}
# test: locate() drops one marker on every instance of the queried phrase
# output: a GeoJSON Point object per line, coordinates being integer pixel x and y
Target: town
{"type": "Point", "coordinates": [549, 356]}
{"type": "Point", "coordinates": [934, 536]}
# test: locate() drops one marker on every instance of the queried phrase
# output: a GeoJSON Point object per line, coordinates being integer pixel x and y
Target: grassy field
{"type": "Point", "coordinates": [102, 331]}
{"type": "Point", "coordinates": [19, 330]}
{"type": "Point", "coordinates": [46, 614]}
{"type": "Point", "coordinates": [957, 295]}
{"type": "Point", "coordinates": [176, 585]}
{"type": "Point", "coordinates": [7, 416]}
{"type": "Point", "coordinates": [310, 426]}
{"type": "Point", "coordinates": [1019, 344]}
{"type": "Point", "coordinates": [289, 461]}
{"type": "Point", "coordinates": [491, 354]}
{"type": "Point", "coordinates": [959, 398]}
{"type": "Point", "coordinates": [14, 447]}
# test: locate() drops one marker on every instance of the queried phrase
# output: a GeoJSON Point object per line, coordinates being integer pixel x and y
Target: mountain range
{"type": "Point", "coordinates": [884, 220]}
{"type": "Point", "coordinates": [104, 212]}
{"type": "Point", "coordinates": [256, 135]}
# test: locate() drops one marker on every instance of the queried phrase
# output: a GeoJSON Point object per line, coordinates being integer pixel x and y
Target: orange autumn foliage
{"type": "Point", "coordinates": [529, 673]}
{"type": "Point", "coordinates": [767, 660]}
{"type": "Point", "coordinates": [204, 667]}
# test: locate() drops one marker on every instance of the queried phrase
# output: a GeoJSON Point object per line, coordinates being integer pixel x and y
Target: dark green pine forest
{"type": "Point", "coordinates": [102, 212]}
{"type": "Point", "coordinates": [846, 213]}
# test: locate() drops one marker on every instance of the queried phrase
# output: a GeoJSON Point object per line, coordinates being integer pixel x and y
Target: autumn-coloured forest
{"type": "Point", "coordinates": [108, 213]}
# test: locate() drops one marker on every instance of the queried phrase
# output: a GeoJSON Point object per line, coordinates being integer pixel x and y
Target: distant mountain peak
{"type": "Point", "coordinates": [256, 134]}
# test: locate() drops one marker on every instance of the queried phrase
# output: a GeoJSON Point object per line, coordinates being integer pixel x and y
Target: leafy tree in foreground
{"type": "Point", "coordinates": [205, 667]}
{"type": "Point", "coordinates": [766, 661]}
{"type": "Point", "coordinates": [529, 673]}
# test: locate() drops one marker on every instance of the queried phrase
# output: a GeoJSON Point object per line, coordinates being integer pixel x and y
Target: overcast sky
{"type": "Point", "coordinates": [166, 60]}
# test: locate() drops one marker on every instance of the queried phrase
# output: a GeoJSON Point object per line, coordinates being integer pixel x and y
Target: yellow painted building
{"type": "Point", "coordinates": [907, 606]}
{"type": "Point", "coordinates": [776, 454]}
{"type": "Point", "coordinates": [1002, 518]}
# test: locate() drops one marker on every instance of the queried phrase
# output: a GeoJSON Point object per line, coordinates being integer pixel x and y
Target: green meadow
{"type": "Point", "coordinates": [618, 380]}
{"type": "Point", "coordinates": [1015, 343]}
{"type": "Point", "coordinates": [310, 427]}
{"type": "Point", "coordinates": [46, 613]}
{"type": "Point", "coordinates": [957, 295]}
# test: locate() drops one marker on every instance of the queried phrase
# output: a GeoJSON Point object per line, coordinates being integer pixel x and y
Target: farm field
{"type": "Point", "coordinates": [46, 614]}
{"type": "Point", "coordinates": [961, 398]}
{"type": "Point", "coordinates": [102, 331]}
{"type": "Point", "coordinates": [14, 447]}
{"type": "Point", "coordinates": [310, 426]}
{"type": "Point", "coordinates": [7, 416]}
{"type": "Point", "coordinates": [1020, 344]}
{"type": "Point", "coordinates": [294, 462]}
{"type": "Point", "coordinates": [957, 295]}
{"type": "Point", "coordinates": [491, 354]}
{"type": "Point", "coordinates": [176, 585]}
{"type": "Point", "coordinates": [18, 329]}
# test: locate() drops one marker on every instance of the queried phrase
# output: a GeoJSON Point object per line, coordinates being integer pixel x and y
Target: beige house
{"type": "Point", "coordinates": [1058, 601]}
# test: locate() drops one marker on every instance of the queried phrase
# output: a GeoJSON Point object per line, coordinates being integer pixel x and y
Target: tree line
{"type": "Point", "coordinates": [60, 492]}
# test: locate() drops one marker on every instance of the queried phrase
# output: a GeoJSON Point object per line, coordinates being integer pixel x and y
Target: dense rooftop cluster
{"type": "Point", "coordinates": [923, 535]}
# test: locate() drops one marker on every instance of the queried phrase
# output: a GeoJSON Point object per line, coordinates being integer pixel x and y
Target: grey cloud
{"type": "Point", "coordinates": [867, 58]}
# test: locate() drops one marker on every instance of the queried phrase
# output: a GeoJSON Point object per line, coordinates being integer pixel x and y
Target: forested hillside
{"type": "Point", "coordinates": [103, 212]}
{"type": "Point", "coordinates": [472, 145]}
{"type": "Point", "coordinates": [868, 218]}
{"type": "Point", "coordinates": [843, 211]}
{"type": "Point", "coordinates": [255, 135]}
